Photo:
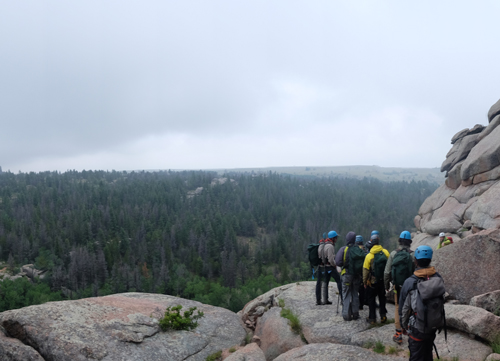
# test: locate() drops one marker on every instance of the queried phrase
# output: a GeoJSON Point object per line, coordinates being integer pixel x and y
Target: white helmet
{"type": "Point", "coordinates": [441, 234]}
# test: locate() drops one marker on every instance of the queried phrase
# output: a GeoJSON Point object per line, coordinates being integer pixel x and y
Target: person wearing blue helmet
{"type": "Point", "coordinates": [400, 265]}
{"type": "Point", "coordinates": [330, 270]}
{"type": "Point", "coordinates": [421, 306]}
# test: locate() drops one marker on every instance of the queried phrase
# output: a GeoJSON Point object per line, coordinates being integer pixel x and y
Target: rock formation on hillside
{"type": "Point", "coordinates": [468, 202]}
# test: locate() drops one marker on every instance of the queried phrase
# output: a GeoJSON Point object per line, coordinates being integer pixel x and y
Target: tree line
{"type": "Point", "coordinates": [100, 232]}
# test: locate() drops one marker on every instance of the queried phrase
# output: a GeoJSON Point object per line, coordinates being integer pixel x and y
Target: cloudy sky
{"type": "Point", "coordinates": [229, 84]}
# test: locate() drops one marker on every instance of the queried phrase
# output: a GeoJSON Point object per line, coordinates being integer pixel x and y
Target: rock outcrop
{"type": "Point", "coordinates": [469, 199]}
{"type": "Point", "coordinates": [117, 327]}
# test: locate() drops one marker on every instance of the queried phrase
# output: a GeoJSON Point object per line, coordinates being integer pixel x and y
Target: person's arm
{"type": "Point", "coordinates": [366, 269]}
{"type": "Point", "coordinates": [388, 271]}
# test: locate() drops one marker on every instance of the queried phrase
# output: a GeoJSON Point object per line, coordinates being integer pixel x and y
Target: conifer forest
{"type": "Point", "coordinates": [193, 234]}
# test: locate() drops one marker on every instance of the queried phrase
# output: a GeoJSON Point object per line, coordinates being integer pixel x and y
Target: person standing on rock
{"type": "Point", "coordinates": [421, 306]}
{"type": "Point", "coordinates": [321, 270]}
{"type": "Point", "coordinates": [443, 240]}
{"type": "Point", "coordinates": [351, 259]}
{"type": "Point", "coordinates": [361, 290]}
{"type": "Point", "coordinates": [373, 279]}
{"type": "Point", "coordinates": [330, 266]}
{"type": "Point", "coordinates": [399, 267]}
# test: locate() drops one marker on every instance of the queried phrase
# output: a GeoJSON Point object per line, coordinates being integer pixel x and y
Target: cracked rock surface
{"type": "Point", "coordinates": [112, 328]}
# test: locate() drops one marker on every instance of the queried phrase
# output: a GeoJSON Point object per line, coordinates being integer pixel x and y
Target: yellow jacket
{"type": "Point", "coordinates": [368, 277]}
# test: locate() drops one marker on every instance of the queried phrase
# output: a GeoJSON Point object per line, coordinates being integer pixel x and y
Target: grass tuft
{"type": "Point", "coordinates": [379, 347]}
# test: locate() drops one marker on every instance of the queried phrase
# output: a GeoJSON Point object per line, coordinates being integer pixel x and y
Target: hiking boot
{"type": "Point", "coordinates": [318, 303]}
{"type": "Point", "coordinates": [383, 319]}
{"type": "Point", "coordinates": [398, 337]}
{"type": "Point", "coordinates": [355, 316]}
{"type": "Point", "coordinates": [371, 321]}
{"type": "Point", "coordinates": [327, 303]}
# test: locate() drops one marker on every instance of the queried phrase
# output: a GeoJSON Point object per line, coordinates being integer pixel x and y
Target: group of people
{"type": "Point", "coordinates": [368, 271]}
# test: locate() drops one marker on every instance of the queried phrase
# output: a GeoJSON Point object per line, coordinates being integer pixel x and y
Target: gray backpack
{"type": "Point", "coordinates": [429, 311]}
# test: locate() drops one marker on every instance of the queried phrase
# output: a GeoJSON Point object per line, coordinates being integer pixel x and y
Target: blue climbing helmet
{"type": "Point", "coordinates": [374, 232]}
{"type": "Point", "coordinates": [324, 235]}
{"type": "Point", "coordinates": [423, 252]}
{"type": "Point", "coordinates": [332, 234]}
{"type": "Point", "coordinates": [359, 240]}
{"type": "Point", "coordinates": [405, 235]}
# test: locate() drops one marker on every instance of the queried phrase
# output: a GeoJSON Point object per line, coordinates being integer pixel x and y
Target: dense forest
{"type": "Point", "coordinates": [221, 241]}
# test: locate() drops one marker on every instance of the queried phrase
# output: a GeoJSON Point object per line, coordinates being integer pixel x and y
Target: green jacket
{"type": "Point", "coordinates": [446, 241]}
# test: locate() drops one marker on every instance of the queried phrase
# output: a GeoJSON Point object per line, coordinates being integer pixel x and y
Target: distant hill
{"type": "Point", "coordinates": [433, 175]}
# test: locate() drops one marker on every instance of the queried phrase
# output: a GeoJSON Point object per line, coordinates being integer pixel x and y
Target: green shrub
{"type": "Point", "coordinates": [392, 350]}
{"type": "Point", "coordinates": [232, 349]}
{"type": "Point", "coordinates": [215, 356]}
{"type": "Point", "coordinates": [379, 347]}
{"type": "Point", "coordinates": [281, 302]}
{"type": "Point", "coordinates": [293, 320]}
{"type": "Point", "coordinates": [173, 320]}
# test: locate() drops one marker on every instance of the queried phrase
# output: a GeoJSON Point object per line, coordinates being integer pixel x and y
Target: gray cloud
{"type": "Point", "coordinates": [92, 84]}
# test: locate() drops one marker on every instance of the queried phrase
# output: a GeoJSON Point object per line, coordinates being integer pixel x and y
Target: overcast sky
{"type": "Point", "coordinates": [229, 84]}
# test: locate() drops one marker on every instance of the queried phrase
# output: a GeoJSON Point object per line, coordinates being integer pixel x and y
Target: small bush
{"type": "Point", "coordinates": [232, 349]}
{"type": "Point", "coordinates": [379, 347]}
{"type": "Point", "coordinates": [281, 302]}
{"type": "Point", "coordinates": [293, 320]}
{"type": "Point", "coordinates": [173, 320]}
{"type": "Point", "coordinates": [248, 338]}
{"type": "Point", "coordinates": [392, 350]}
{"type": "Point", "coordinates": [497, 311]}
{"type": "Point", "coordinates": [215, 356]}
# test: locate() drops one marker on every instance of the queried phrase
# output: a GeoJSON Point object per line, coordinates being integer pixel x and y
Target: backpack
{"type": "Point", "coordinates": [312, 251]}
{"type": "Point", "coordinates": [429, 305]}
{"type": "Point", "coordinates": [402, 267]}
{"type": "Point", "coordinates": [355, 258]}
{"type": "Point", "coordinates": [379, 262]}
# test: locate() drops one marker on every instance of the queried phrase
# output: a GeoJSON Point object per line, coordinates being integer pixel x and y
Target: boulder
{"type": "Point", "coordinates": [493, 357]}
{"type": "Point", "coordinates": [453, 180]}
{"type": "Point", "coordinates": [319, 323]}
{"type": "Point", "coordinates": [11, 349]}
{"type": "Point", "coordinates": [493, 174]}
{"type": "Point", "coordinates": [493, 124]}
{"type": "Point", "coordinates": [465, 193]}
{"type": "Point", "coordinates": [494, 111]}
{"type": "Point", "coordinates": [470, 267]}
{"type": "Point", "coordinates": [470, 208]}
{"type": "Point", "coordinates": [416, 221]}
{"type": "Point", "coordinates": [450, 209]}
{"type": "Point", "coordinates": [459, 344]}
{"type": "Point", "coordinates": [436, 200]}
{"type": "Point", "coordinates": [487, 212]}
{"type": "Point", "coordinates": [489, 301]}
{"type": "Point", "coordinates": [332, 352]}
{"type": "Point", "coordinates": [435, 226]}
{"type": "Point", "coordinates": [120, 327]}
{"type": "Point", "coordinates": [459, 151]}
{"type": "Point", "coordinates": [421, 239]}
{"type": "Point", "coordinates": [276, 336]}
{"type": "Point", "coordinates": [473, 320]}
{"type": "Point", "coordinates": [478, 128]}
{"type": "Point", "coordinates": [483, 157]}
{"type": "Point", "coordinates": [251, 352]}
{"type": "Point", "coordinates": [459, 135]}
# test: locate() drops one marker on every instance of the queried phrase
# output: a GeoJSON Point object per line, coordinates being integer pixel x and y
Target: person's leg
{"type": "Point", "coordinates": [355, 296]}
{"type": "Point", "coordinates": [382, 301]}
{"type": "Point", "coordinates": [326, 301]}
{"type": "Point", "coordinates": [347, 297]}
{"type": "Point", "coordinates": [336, 277]}
{"type": "Point", "coordinates": [319, 282]}
{"type": "Point", "coordinates": [362, 300]}
{"type": "Point", "coordinates": [370, 294]}
{"type": "Point", "coordinates": [398, 335]}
